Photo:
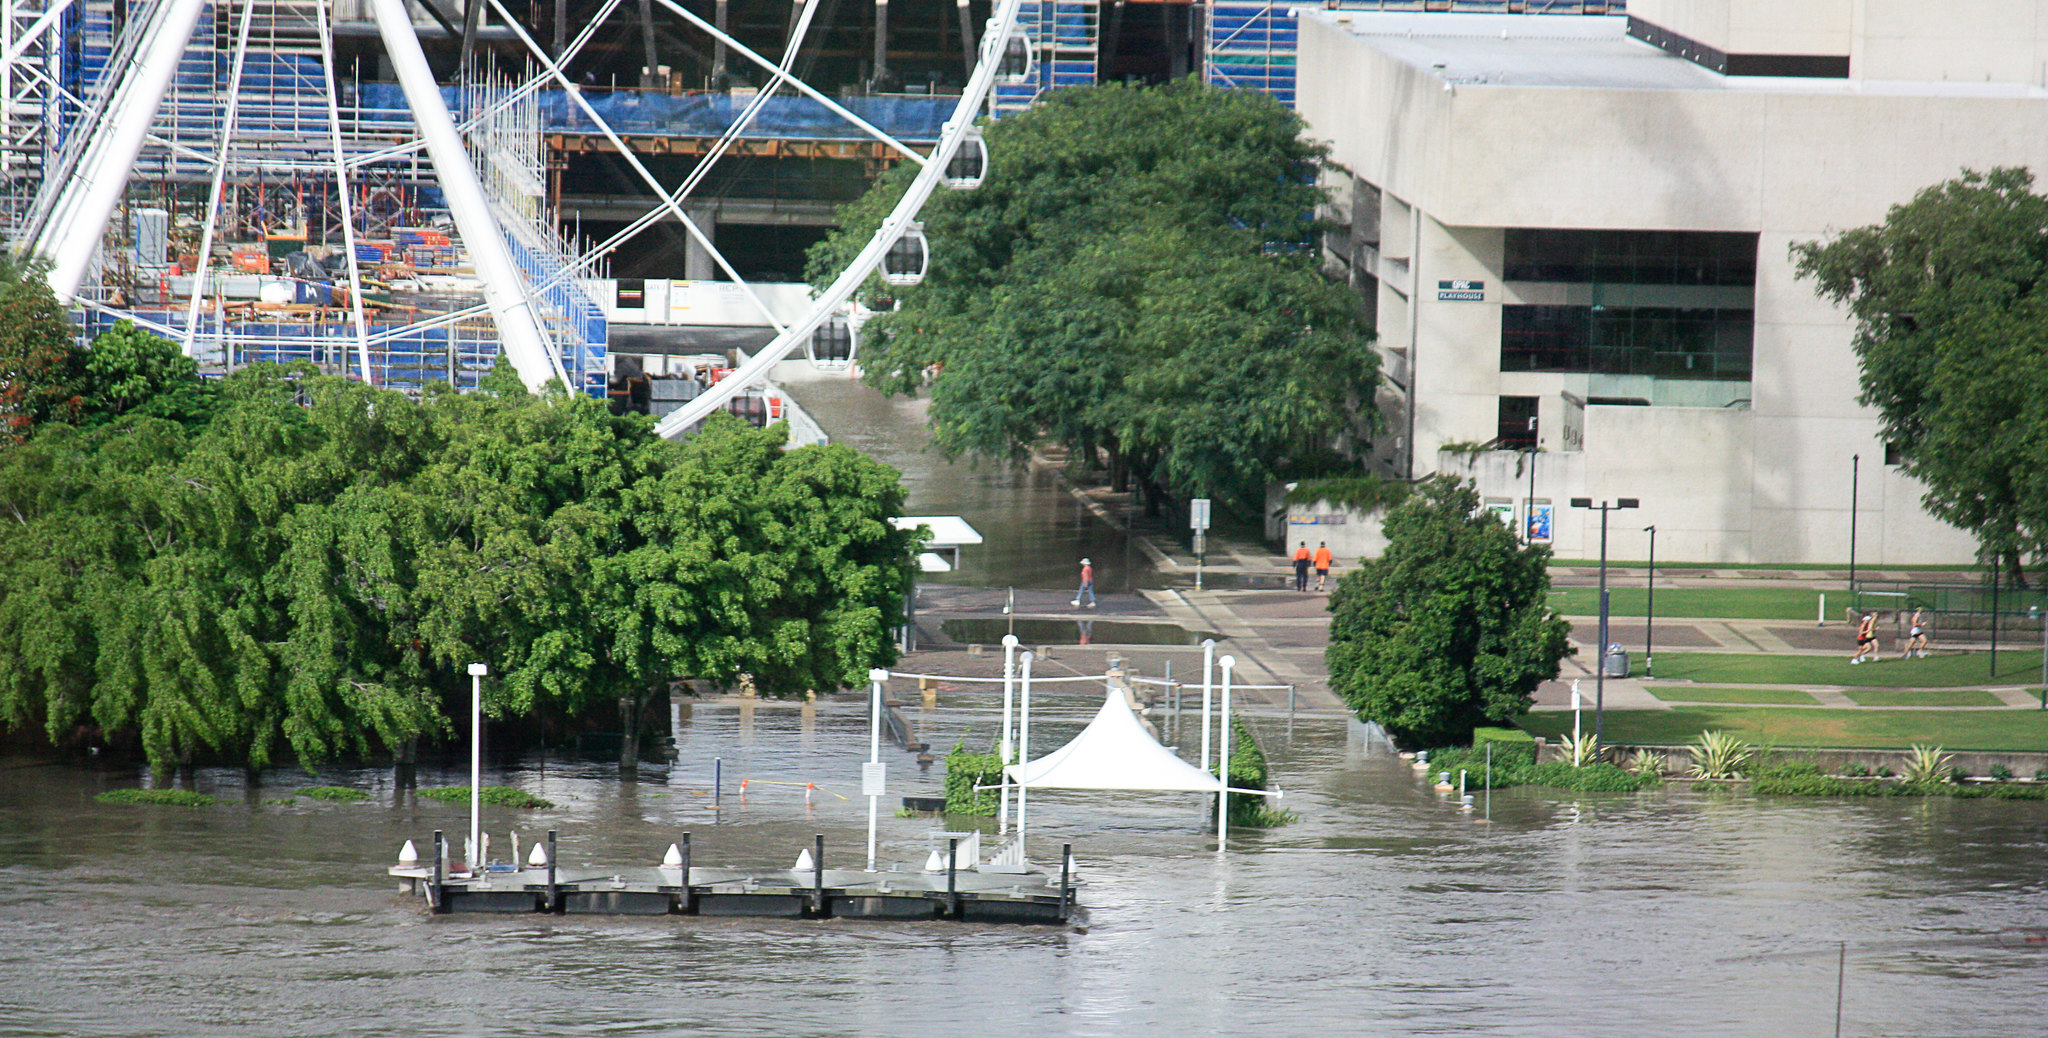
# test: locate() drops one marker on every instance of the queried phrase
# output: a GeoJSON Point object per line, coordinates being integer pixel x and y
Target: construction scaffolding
{"type": "Point", "coordinates": [277, 211]}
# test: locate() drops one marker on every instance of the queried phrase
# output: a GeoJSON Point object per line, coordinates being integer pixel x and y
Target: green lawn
{"type": "Point", "coordinates": [1764, 668]}
{"type": "Point", "coordinates": [1993, 730]}
{"type": "Point", "coordinates": [1752, 696]}
{"type": "Point", "coordinates": [1938, 697]}
{"type": "Point", "coordinates": [1758, 603]}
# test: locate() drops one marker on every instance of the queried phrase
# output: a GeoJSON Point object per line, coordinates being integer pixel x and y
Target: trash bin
{"type": "Point", "coordinates": [1616, 662]}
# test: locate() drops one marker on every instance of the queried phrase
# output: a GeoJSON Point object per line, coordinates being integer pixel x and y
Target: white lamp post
{"type": "Point", "coordinates": [874, 776]}
{"type": "Point", "coordinates": [476, 764]}
{"type": "Point", "coordinates": [1003, 744]}
{"type": "Point", "coordinates": [1024, 745]}
{"type": "Point", "coordinates": [1223, 757]}
{"type": "Point", "coordinates": [1208, 671]}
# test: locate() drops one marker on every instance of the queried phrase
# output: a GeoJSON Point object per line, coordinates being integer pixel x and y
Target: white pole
{"type": "Point", "coordinates": [1003, 744]}
{"type": "Point", "coordinates": [476, 764]}
{"type": "Point", "coordinates": [519, 325]}
{"type": "Point", "coordinates": [1024, 745]}
{"type": "Point", "coordinates": [341, 189]}
{"type": "Point", "coordinates": [220, 173]}
{"type": "Point", "coordinates": [1208, 670]}
{"type": "Point", "coordinates": [85, 204]}
{"type": "Point", "coordinates": [1575, 711]}
{"type": "Point", "coordinates": [1223, 758]}
{"type": "Point", "coordinates": [875, 678]}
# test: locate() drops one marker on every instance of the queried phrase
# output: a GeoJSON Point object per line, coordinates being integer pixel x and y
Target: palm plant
{"type": "Point", "coordinates": [1926, 764]}
{"type": "Point", "coordinates": [1647, 762]}
{"type": "Point", "coordinates": [1719, 755]}
{"type": "Point", "coordinates": [1583, 750]}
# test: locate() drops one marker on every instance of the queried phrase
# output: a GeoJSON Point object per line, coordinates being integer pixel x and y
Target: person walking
{"type": "Point", "coordinates": [1866, 638]}
{"type": "Point", "coordinates": [1087, 585]}
{"type": "Point", "coordinates": [1323, 559]}
{"type": "Point", "coordinates": [1916, 635]}
{"type": "Point", "coordinates": [1301, 567]}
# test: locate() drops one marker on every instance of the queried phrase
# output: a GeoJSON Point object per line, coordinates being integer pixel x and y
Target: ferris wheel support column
{"type": "Point", "coordinates": [79, 220]}
{"type": "Point", "coordinates": [893, 227]}
{"type": "Point", "coordinates": [519, 326]}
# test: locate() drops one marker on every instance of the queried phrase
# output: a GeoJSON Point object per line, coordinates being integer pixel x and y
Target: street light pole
{"type": "Point", "coordinates": [1600, 655]}
{"type": "Point", "coordinates": [1650, 607]}
{"type": "Point", "coordinates": [1855, 463]}
{"type": "Point", "coordinates": [476, 764]}
{"type": "Point", "coordinates": [1529, 503]}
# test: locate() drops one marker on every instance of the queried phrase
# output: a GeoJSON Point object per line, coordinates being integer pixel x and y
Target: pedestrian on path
{"type": "Point", "coordinates": [1087, 585]}
{"type": "Point", "coordinates": [1301, 567]}
{"type": "Point", "coordinates": [1323, 560]}
{"type": "Point", "coordinates": [1866, 639]}
{"type": "Point", "coordinates": [1916, 635]}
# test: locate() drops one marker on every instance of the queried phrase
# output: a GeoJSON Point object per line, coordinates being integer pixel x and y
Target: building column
{"type": "Point", "coordinates": [698, 266]}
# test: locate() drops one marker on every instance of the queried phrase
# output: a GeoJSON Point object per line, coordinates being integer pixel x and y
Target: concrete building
{"type": "Point", "coordinates": [1574, 233]}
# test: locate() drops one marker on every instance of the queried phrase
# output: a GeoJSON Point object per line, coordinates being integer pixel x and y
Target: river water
{"type": "Point", "coordinates": [1382, 910]}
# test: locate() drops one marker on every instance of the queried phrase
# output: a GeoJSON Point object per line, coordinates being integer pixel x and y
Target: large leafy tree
{"type": "Point", "coordinates": [1133, 279]}
{"type": "Point", "coordinates": [311, 567]}
{"type": "Point", "coordinates": [1949, 302]}
{"type": "Point", "coordinates": [1450, 628]}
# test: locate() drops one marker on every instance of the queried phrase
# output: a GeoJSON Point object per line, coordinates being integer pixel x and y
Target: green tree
{"type": "Point", "coordinates": [42, 370]}
{"type": "Point", "coordinates": [1948, 300]}
{"type": "Point", "coordinates": [130, 371]}
{"type": "Point", "coordinates": [1450, 629]}
{"type": "Point", "coordinates": [1133, 278]}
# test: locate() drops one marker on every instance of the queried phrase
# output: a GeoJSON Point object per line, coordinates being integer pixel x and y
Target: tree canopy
{"type": "Point", "coordinates": [313, 566]}
{"type": "Point", "coordinates": [1134, 275]}
{"type": "Point", "coordinates": [1451, 628]}
{"type": "Point", "coordinates": [1952, 338]}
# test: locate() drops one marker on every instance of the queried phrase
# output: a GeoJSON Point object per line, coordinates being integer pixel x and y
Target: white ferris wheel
{"type": "Point", "coordinates": [212, 171]}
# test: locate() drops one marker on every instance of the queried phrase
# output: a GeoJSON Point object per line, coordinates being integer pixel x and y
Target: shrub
{"type": "Point", "coordinates": [1884, 772]}
{"type": "Point", "coordinates": [964, 771]}
{"type": "Point", "coordinates": [1647, 764]}
{"type": "Point", "coordinates": [496, 796]}
{"type": "Point", "coordinates": [157, 797]}
{"type": "Point", "coordinates": [336, 793]}
{"type": "Point", "coordinates": [1854, 770]}
{"type": "Point", "coordinates": [1582, 751]}
{"type": "Point", "coordinates": [2000, 773]}
{"type": "Point", "coordinates": [1926, 765]}
{"type": "Point", "coordinates": [1248, 771]}
{"type": "Point", "coordinates": [1590, 778]}
{"type": "Point", "coordinates": [1718, 755]}
{"type": "Point", "coordinates": [2041, 775]}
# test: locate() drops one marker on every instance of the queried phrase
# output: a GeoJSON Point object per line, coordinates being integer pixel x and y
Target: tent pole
{"type": "Point", "coordinates": [1223, 759]}
{"type": "Point", "coordinates": [1003, 744]}
{"type": "Point", "coordinates": [1024, 746]}
{"type": "Point", "coordinates": [1208, 670]}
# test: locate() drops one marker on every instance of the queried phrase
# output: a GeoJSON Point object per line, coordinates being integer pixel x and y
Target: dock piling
{"type": "Point", "coordinates": [440, 859]}
{"type": "Point", "coordinates": [1066, 874]}
{"type": "Point", "coordinates": [952, 878]}
{"type": "Point", "coordinates": [554, 895]}
{"type": "Point", "coordinates": [689, 899]}
{"type": "Point", "coordinates": [818, 877]}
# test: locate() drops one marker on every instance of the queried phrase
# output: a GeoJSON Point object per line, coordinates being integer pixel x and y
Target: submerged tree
{"type": "Point", "coordinates": [311, 568]}
{"type": "Point", "coordinates": [1451, 628]}
{"type": "Point", "coordinates": [1949, 301]}
{"type": "Point", "coordinates": [1134, 277]}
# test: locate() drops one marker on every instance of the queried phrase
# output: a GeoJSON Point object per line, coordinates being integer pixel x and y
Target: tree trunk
{"type": "Point", "coordinates": [629, 736]}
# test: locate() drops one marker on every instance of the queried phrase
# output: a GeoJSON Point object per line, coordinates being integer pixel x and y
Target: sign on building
{"type": "Point", "coordinates": [1461, 291]}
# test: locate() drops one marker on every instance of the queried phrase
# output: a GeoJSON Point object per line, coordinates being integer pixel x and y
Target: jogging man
{"type": "Point", "coordinates": [1866, 638]}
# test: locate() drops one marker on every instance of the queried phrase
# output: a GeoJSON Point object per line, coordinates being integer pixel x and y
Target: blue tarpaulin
{"type": "Point", "coordinates": [905, 117]}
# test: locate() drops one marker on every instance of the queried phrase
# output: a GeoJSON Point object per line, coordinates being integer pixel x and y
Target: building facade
{"type": "Point", "coordinates": [1574, 235]}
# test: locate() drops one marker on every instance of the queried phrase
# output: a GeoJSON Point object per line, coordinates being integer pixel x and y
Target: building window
{"type": "Point", "coordinates": [1654, 341]}
{"type": "Point", "coordinates": [1893, 455]}
{"type": "Point", "coordinates": [1630, 257]}
{"type": "Point", "coordinates": [1517, 429]}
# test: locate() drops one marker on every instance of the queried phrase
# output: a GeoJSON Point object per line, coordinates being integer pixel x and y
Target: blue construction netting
{"type": "Point", "coordinates": [904, 117]}
{"type": "Point", "coordinates": [578, 323]}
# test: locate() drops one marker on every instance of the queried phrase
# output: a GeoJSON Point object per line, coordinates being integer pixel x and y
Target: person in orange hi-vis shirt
{"type": "Point", "coordinates": [1323, 560]}
{"type": "Point", "coordinates": [1301, 567]}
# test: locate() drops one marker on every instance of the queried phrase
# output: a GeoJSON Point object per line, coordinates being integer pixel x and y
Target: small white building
{"type": "Point", "coordinates": [1574, 232]}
